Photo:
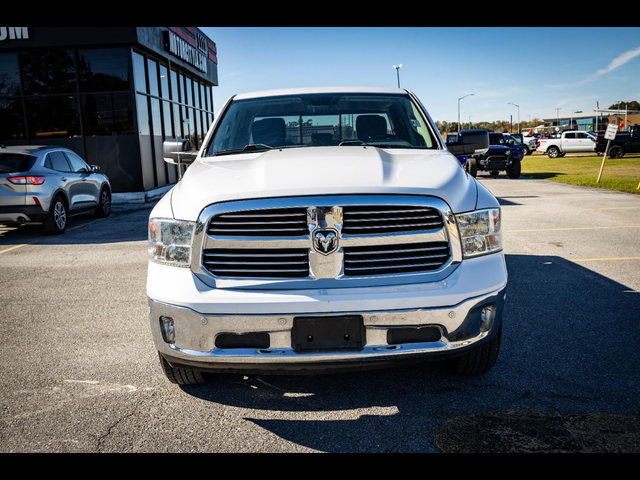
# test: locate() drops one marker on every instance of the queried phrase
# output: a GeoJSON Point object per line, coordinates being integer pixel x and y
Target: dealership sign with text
{"type": "Point", "coordinates": [192, 55]}
{"type": "Point", "coordinates": [14, 33]}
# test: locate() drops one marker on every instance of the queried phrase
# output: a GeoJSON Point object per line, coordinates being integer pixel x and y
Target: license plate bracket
{"type": "Point", "coordinates": [318, 334]}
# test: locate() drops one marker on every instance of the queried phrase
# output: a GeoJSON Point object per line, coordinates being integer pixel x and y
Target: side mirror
{"type": "Point", "coordinates": [178, 151]}
{"type": "Point", "coordinates": [95, 169]}
{"type": "Point", "coordinates": [470, 142]}
{"type": "Point", "coordinates": [511, 143]}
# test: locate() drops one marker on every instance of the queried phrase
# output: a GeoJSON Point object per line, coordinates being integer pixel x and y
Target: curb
{"type": "Point", "coordinates": [140, 197]}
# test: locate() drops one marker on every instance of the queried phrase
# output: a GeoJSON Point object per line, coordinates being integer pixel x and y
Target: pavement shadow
{"type": "Point", "coordinates": [571, 345]}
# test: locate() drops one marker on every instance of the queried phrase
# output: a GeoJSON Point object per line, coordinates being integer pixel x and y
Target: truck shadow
{"type": "Point", "coordinates": [571, 344]}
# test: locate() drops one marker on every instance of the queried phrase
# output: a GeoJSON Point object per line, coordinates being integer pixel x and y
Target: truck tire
{"type": "Point", "coordinates": [478, 362]}
{"type": "Point", "coordinates": [553, 152]}
{"type": "Point", "coordinates": [527, 151]}
{"type": "Point", "coordinates": [515, 170]}
{"type": "Point", "coordinates": [58, 219]}
{"type": "Point", "coordinates": [472, 167]}
{"type": "Point", "coordinates": [183, 378]}
{"type": "Point", "coordinates": [616, 152]}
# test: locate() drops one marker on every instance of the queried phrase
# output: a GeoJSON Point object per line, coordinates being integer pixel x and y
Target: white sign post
{"type": "Point", "coordinates": [612, 132]}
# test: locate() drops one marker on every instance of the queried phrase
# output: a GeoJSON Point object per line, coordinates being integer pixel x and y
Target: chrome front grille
{"type": "Point", "coordinates": [257, 263]}
{"type": "Point", "coordinates": [381, 220]}
{"type": "Point", "coordinates": [327, 242]}
{"type": "Point", "coordinates": [281, 222]}
{"type": "Point", "coordinates": [395, 259]}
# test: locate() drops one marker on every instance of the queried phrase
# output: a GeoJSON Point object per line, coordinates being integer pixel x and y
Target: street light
{"type": "Point", "coordinates": [398, 70]}
{"type": "Point", "coordinates": [459, 113]}
{"type": "Point", "coordinates": [519, 123]}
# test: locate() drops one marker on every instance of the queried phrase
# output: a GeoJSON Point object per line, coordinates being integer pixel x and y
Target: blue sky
{"type": "Point", "coordinates": [540, 69]}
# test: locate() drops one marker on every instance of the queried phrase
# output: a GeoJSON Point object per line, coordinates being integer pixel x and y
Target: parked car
{"type": "Point", "coordinates": [503, 155]}
{"type": "Point", "coordinates": [530, 143]}
{"type": "Point", "coordinates": [49, 185]}
{"type": "Point", "coordinates": [568, 142]}
{"type": "Point", "coordinates": [625, 142]}
{"type": "Point", "coordinates": [277, 252]}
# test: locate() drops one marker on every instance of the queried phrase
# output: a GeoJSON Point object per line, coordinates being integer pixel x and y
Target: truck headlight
{"type": "Point", "coordinates": [171, 242]}
{"type": "Point", "coordinates": [480, 232]}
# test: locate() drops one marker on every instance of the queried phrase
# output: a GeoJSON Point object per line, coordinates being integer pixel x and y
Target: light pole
{"type": "Point", "coordinates": [558, 127]}
{"type": "Point", "coordinates": [397, 68]}
{"type": "Point", "coordinates": [459, 112]}
{"type": "Point", "coordinates": [519, 123]}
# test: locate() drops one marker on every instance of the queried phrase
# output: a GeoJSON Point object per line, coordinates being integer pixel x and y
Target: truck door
{"type": "Point", "coordinates": [570, 142]}
{"type": "Point", "coordinates": [586, 143]}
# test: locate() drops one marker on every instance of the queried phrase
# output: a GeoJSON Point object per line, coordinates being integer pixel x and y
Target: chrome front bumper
{"type": "Point", "coordinates": [461, 326]}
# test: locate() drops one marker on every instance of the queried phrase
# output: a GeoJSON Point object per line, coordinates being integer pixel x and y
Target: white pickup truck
{"type": "Point", "coordinates": [568, 142]}
{"type": "Point", "coordinates": [355, 243]}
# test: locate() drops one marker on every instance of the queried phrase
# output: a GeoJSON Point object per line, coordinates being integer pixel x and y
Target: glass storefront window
{"type": "Point", "coordinates": [140, 73]}
{"type": "Point", "coordinates": [53, 117]}
{"type": "Point", "coordinates": [177, 121]}
{"type": "Point", "coordinates": [196, 93]}
{"type": "Point", "coordinates": [199, 135]}
{"type": "Point", "coordinates": [167, 115]}
{"type": "Point", "coordinates": [9, 75]}
{"type": "Point", "coordinates": [175, 86]}
{"type": "Point", "coordinates": [164, 82]}
{"type": "Point", "coordinates": [203, 96]}
{"type": "Point", "coordinates": [156, 117]}
{"type": "Point", "coordinates": [48, 73]}
{"type": "Point", "coordinates": [144, 122]}
{"type": "Point", "coordinates": [188, 85]}
{"type": "Point", "coordinates": [153, 78]}
{"type": "Point", "coordinates": [11, 120]}
{"type": "Point", "coordinates": [107, 114]}
{"type": "Point", "coordinates": [105, 70]}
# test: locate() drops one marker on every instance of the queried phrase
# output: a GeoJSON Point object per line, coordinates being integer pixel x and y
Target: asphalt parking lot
{"type": "Point", "coordinates": [79, 372]}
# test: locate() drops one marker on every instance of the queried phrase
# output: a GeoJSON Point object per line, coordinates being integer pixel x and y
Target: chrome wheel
{"type": "Point", "coordinates": [60, 215]}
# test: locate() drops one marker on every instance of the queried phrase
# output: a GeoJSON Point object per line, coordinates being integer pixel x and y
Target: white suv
{"type": "Point", "coordinates": [321, 229]}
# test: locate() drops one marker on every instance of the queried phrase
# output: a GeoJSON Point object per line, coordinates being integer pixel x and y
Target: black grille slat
{"type": "Point", "coordinates": [257, 263]}
{"type": "Point", "coordinates": [380, 220]}
{"type": "Point", "coordinates": [395, 259]}
{"type": "Point", "coordinates": [286, 222]}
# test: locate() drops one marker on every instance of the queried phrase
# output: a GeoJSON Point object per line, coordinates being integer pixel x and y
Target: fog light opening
{"type": "Point", "coordinates": [488, 318]}
{"type": "Point", "coordinates": [168, 330]}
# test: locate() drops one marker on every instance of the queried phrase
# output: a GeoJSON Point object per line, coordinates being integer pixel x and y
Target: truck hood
{"type": "Point", "coordinates": [323, 171]}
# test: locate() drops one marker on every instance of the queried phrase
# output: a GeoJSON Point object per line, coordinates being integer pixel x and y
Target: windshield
{"type": "Point", "coordinates": [322, 120]}
{"type": "Point", "coordinates": [15, 163]}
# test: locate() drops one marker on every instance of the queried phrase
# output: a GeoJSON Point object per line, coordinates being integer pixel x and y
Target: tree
{"type": "Point", "coordinates": [635, 106]}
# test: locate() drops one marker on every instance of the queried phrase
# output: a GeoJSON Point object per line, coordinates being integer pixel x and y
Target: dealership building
{"type": "Point", "coordinates": [111, 94]}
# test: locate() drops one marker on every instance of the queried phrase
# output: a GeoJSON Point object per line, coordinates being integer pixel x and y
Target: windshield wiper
{"type": "Point", "coordinates": [360, 143]}
{"type": "Point", "coordinates": [254, 147]}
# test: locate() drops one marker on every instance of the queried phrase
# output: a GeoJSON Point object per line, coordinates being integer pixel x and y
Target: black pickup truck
{"type": "Point", "coordinates": [625, 142]}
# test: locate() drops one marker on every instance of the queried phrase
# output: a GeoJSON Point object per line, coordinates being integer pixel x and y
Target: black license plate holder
{"type": "Point", "coordinates": [319, 334]}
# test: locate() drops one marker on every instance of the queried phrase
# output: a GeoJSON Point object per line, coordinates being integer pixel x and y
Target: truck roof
{"type": "Point", "coordinates": [320, 90]}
